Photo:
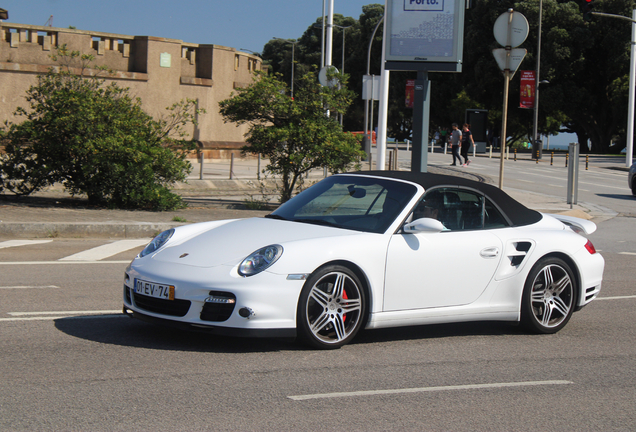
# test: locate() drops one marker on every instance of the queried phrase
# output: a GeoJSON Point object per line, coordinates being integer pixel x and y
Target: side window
{"type": "Point", "coordinates": [457, 209]}
{"type": "Point", "coordinates": [492, 216]}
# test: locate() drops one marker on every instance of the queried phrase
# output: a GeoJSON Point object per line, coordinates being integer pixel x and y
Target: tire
{"type": "Point", "coordinates": [549, 296]}
{"type": "Point", "coordinates": [634, 186]}
{"type": "Point", "coordinates": [331, 308]}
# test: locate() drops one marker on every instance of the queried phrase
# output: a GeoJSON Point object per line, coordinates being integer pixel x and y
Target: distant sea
{"type": "Point", "coordinates": [559, 142]}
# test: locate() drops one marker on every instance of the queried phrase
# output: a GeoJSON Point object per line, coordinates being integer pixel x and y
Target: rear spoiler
{"type": "Point", "coordinates": [578, 225]}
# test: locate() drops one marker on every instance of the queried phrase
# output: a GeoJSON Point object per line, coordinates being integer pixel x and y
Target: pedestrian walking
{"type": "Point", "coordinates": [467, 142]}
{"type": "Point", "coordinates": [455, 140]}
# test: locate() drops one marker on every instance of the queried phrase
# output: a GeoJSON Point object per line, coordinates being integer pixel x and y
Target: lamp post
{"type": "Point", "coordinates": [343, 58]}
{"type": "Point", "coordinates": [343, 44]}
{"type": "Point", "coordinates": [293, 43]}
{"type": "Point", "coordinates": [368, 129]}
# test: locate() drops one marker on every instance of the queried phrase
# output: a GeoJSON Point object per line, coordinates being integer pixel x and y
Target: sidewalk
{"type": "Point", "coordinates": [53, 213]}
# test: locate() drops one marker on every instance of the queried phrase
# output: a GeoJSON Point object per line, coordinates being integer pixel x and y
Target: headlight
{"type": "Point", "coordinates": [258, 261]}
{"type": "Point", "coordinates": [157, 242]}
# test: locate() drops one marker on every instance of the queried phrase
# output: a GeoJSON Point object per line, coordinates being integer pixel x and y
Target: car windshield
{"type": "Point", "coordinates": [351, 202]}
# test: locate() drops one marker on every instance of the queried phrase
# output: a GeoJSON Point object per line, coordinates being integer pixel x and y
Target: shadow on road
{"type": "Point", "coordinates": [123, 331]}
{"type": "Point", "coordinates": [618, 196]}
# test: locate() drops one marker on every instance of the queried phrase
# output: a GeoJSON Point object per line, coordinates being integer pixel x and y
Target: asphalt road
{"type": "Point", "coordinates": [69, 361]}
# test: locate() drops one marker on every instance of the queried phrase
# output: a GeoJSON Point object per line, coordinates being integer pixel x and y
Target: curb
{"type": "Point", "coordinates": [122, 230]}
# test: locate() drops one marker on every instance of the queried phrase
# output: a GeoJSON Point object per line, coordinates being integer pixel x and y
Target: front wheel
{"type": "Point", "coordinates": [331, 308]}
{"type": "Point", "coordinates": [549, 296]}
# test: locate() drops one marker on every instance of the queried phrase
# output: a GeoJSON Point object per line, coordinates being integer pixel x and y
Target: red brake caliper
{"type": "Point", "coordinates": [344, 297]}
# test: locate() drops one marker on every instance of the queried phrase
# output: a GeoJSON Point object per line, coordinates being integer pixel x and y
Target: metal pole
{"type": "Point", "coordinates": [383, 105]}
{"type": "Point", "coordinates": [342, 70]}
{"type": "Point", "coordinates": [535, 138]}
{"type": "Point", "coordinates": [293, 67]}
{"type": "Point", "coordinates": [201, 165]}
{"type": "Point", "coordinates": [322, 41]}
{"type": "Point", "coordinates": [629, 150]}
{"type": "Point", "coordinates": [367, 129]}
{"type": "Point", "coordinates": [329, 47]}
{"type": "Point", "coordinates": [573, 174]}
{"type": "Point", "coordinates": [421, 107]}
{"type": "Point", "coordinates": [504, 114]}
{"type": "Point", "coordinates": [341, 115]}
{"type": "Point", "coordinates": [504, 119]}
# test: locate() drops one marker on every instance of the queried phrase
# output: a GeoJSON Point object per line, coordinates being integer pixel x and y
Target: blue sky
{"type": "Point", "coordinates": [246, 24]}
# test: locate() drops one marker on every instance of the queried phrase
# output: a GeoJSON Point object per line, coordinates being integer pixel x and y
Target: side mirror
{"type": "Point", "coordinates": [424, 225]}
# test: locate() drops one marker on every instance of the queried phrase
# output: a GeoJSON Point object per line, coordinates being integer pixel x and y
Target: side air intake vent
{"type": "Point", "coordinates": [519, 253]}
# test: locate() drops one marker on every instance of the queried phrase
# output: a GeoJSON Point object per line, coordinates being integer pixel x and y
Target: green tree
{"type": "Point", "coordinates": [277, 54]}
{"type": "Point", "coordinates": [95, 139]}
{"type": "Point", "coordinates": [586, 64]}
{"type": "Point", "coordinates": [295, 134]}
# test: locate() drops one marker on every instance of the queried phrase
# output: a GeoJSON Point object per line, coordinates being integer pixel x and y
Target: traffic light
{"type": "Point", "coordinates": [587, 7]}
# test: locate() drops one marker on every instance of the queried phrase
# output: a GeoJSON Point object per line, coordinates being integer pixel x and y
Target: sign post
{"type": "Point", "coordinates": [423, 36]}
{"type": "Point", "coordinates": [510, 30]}
{"type": "Point", "coordinates": [573, 174]}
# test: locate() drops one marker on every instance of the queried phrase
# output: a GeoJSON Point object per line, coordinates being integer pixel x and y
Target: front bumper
{"type": "Point", "coordinates": [261, 305]}
{"type": "Point", "coordinates": [212, 329]}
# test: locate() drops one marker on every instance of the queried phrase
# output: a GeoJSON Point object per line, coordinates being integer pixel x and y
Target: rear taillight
{"type": "Point", "coordinates": [590, 247]}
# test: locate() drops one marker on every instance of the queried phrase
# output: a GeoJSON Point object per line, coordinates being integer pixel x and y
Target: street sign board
{"type": "Point", "coordinates": [514, 60]}
{"type": "Point", "coordinates": [425, 31]}
{"type": "Point", "coordinates": [517, 32]}
{"type": "Point", "coordinates": [371, 87]}
{"type": "Point", "coordinates": [323, 77]}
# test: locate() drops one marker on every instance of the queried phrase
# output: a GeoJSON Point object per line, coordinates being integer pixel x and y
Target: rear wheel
{"type": "Point", "coordinates": [549, 296]}
{"type": "Point", "coordinates": [331, 308]}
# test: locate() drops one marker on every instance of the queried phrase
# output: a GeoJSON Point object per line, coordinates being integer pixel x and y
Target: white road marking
{"type": "Point", "coordinates": [61, 262]}
{"type": "Point", "coordinates": [616, 297]}
{"type": "Point", "coordinates": [427, 389]}
{"type": "Point", "coordinates": [16, 243]}
{"type": "Point", "coordinates": [28, 287]}
{"type": "Point", "coordinates": [623, 188]}
{"type": "Point", "coordinates": [627, 253]}
{"type": "Point", "coordinates": [92, 312]}
{"type": "Point", "coordinates": [107, 250]}
{"type": "Point", "coordinates": [43, 316]}
{"type": "Point", "coordinates": [542, 176]}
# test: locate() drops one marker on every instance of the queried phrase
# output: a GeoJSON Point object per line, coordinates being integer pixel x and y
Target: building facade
{"type": "Point", "coordinates": [159, 71]}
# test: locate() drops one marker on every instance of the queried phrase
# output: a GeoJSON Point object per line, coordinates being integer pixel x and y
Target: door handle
{"type": "Point", "coordinates": [490, 252]}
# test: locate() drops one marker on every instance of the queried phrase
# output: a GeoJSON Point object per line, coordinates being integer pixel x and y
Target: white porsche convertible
{"type": "Point", "coordinates": [369, 249]}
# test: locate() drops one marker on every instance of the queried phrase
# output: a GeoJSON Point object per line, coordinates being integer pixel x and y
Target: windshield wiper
{"type": "Point", "coordinates": [318, 222]}
{"type": "Point", "coordinates": [275, 216]}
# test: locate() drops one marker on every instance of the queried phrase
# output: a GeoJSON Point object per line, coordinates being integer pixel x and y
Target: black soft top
{"type": "Point", "coordinates": [517, 213]}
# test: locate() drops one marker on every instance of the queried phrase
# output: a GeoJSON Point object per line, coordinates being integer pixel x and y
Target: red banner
{"type": "Point", "coordinates": [527, 88]}
{"type": "Point", "coordinates": [410, 93]}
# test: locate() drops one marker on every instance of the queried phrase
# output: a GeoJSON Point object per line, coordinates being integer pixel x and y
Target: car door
{"type": "Point", "coordinates": [448, 268]}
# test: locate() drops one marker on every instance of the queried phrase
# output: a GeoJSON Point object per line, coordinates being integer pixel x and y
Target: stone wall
{"type": "Point", "coordinates": [158, 70]}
